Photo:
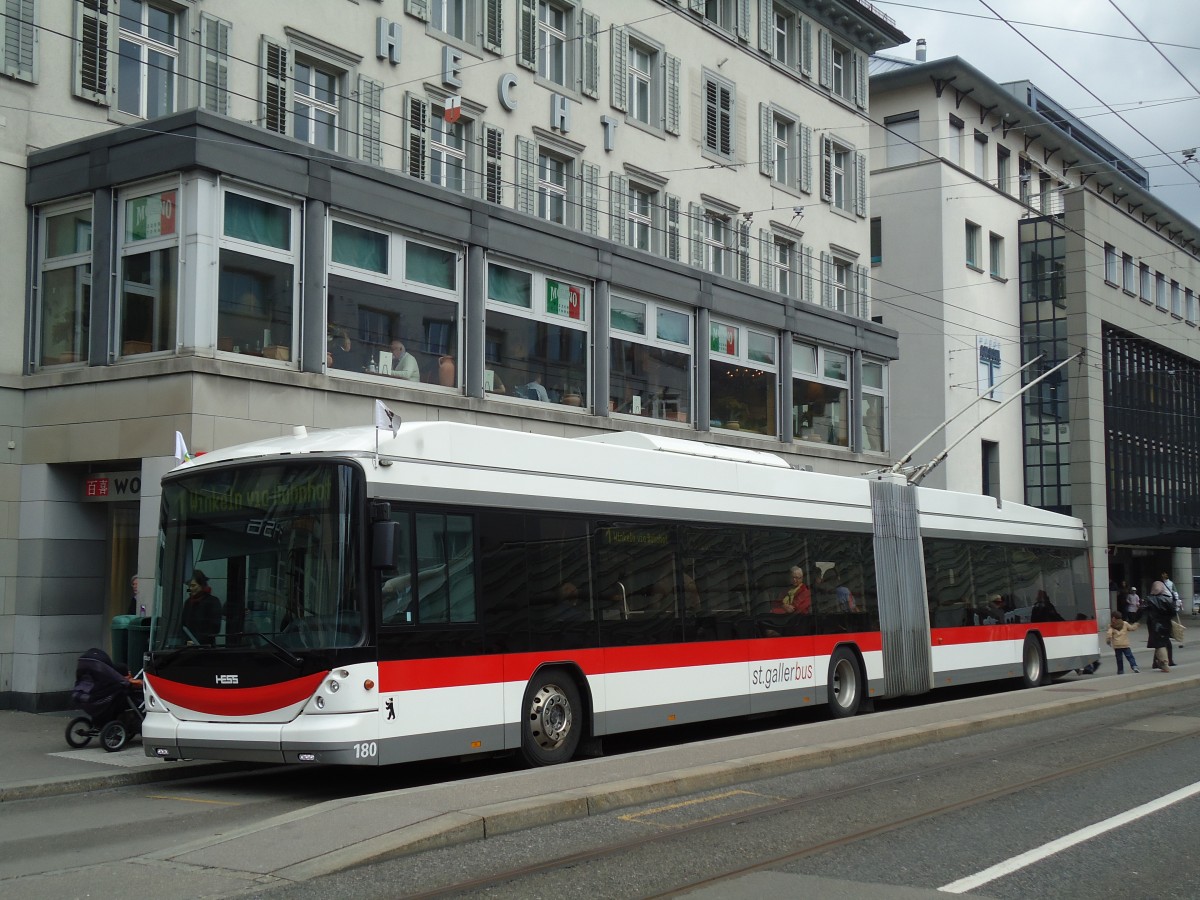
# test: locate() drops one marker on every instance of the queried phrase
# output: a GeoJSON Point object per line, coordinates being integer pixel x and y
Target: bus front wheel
{"type": "Point", "coordinates": [553, 719]}
{"type": "Point", "coordinates": [845, 692]}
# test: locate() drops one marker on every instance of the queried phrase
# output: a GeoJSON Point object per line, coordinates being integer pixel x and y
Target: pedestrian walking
{"type": "Point", "coordinates": [1118, 639]}
{"type": "Point", "coordinates": [1160, 610]}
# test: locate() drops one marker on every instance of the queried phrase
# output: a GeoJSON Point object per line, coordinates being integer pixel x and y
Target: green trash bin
{"type": "Point", "coordinates": [139, 642]}
{"type": "Point", "coordinates": [120, 638]}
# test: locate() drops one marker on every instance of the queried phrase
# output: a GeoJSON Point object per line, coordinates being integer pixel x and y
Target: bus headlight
{"type": "Point", "coordinates": [334, 686]}
{"type": "Point", "coordinates": [320, 702]}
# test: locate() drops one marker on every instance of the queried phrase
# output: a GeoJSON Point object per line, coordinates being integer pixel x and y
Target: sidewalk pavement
{"type": "Point", "coordinates": [338, 834]}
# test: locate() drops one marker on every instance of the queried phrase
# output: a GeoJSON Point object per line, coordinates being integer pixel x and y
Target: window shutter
{"type": "Point", "coordinates": [806, 274]}
{"type": "Point", "coordinates": [726, 121]}
{"type": "Point", "coordinates": [618, 186]}
{"type": "Point", "coordinates": [744, 251]}
{"type": "Point", "coordinates": [864, 292]}
{"type": "Point", "coordinates": [826, 169]}
{"type": "Point", "coordinates": [743, 19]}
{"type": "Point", "coordinates": [93, 28]}
{"type": "Point", "coordinates": [370, 120]}
{"type": "Point", "coordinates": [589, 35]}
{"type": "Point", "coordinates": [493, 170]}
{"type": "Point", "coordinates": [826, 280]}
{"type": "Point", "coordinates": [806, 47]}
{"type": "Point", "coordinates": [527, 35]}
{"type": "Point", "coordinates": [860, 184]}
{"type": "Point", "coordinates": [276, 74]}
{"type": "Point", "coordinates": [766, 146]}
{"type": "Point", "coordinates": [673, 208]}
{"type": "Point", "coordinates": [418, 8]}
{"type": "Point", "coordinates": [806, 159]}
{"type": "Point", "coordinates": [214, 40]}
{"type": "Point", "coordinates": [766, 21]}
{"type": "Point", "coordinates": [591, 197]}
{"type": "Point", "coordinates": [710, 114]}
{"type": "Point", "coordinates": [493, 25]}
{"type": "Point", "coordinates": [526, 151]}
{"type": "Point", "coordinates": [766, 260]}
{"type": "Point", "coordinates": [672, 72]}
{"type": "Point", "coordinates": [860, 80]}
{"type": "Point", "coordinates": [618, 42]}
{"type": "Point", "coordinates": [416, 135]}
{"type": "Point", "coordinates": [696, 230]}
{"type": "Point", "coordinates": [19, 39]}
{"type": "Point", "coordinates": [825, 58]}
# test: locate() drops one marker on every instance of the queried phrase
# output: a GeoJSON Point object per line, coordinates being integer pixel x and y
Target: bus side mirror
{"type": "Point", "coordinates": [384, 538]}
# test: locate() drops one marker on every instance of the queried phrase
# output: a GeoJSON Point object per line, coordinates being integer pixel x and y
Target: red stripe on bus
{"type": "Point", "coordinates": [986, 634]}
{"type": "Point", "coordinates": [460, 671]}
{"type": "Point", "coordinates": [237, 701]}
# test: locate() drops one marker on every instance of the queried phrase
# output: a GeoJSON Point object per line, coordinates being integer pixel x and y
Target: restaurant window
{"type": "Point", "coordinates": [394, 308]}
{"type": "Point", "coordinates": [536, 340]}
{"type": "Point", "coordinates": [149, 272]}
{"type": "Point", "coordinates": [742, 371]}
{"type": "Point", "coordinates": [65, 290]}
{"type": "Point", "coordinates": [257, 287]}
{"type": "Point", "coordinates": [875, 406]}
{"type": "Point", "coordinates": [650, 360]}
{"type": "Point", "coordinates": [820, 395]}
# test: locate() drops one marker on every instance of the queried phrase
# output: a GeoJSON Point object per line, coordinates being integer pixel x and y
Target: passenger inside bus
{"type": "Point", "coordinates": [797, 598]}
{"type": "Point", "coordinates": [201, 620]}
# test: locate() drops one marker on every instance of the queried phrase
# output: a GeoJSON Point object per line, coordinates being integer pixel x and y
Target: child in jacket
{"type": "Point", "coordinates": [1118, 639]}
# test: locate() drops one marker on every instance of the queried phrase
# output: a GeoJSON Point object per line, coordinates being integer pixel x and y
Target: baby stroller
{"type": "Point", "coordinates": [114, 704]}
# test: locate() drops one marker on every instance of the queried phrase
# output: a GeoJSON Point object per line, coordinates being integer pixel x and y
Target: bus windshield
{"type": "Point", "coordinates": [260, 555]}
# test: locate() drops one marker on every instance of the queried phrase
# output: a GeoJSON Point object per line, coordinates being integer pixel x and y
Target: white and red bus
{"type": "Point", "coordinates": [354, 596]}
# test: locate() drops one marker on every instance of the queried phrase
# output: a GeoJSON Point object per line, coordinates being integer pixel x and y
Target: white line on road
{"type": "Point", "coordinates": [1078, 837]}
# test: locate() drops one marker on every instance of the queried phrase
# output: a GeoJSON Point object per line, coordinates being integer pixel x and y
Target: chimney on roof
{"type": "Point", "coordinates": [921, 54]}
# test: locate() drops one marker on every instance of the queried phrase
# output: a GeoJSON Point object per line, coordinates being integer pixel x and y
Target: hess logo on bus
{"type": "Point", "coordinates": [227, 679]}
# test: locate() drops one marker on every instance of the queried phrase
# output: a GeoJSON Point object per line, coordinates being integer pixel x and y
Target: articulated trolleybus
{"type": "Point", "coordinates": [354, 596]}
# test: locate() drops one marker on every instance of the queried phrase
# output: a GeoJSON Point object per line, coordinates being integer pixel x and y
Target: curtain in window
{"type": "Point", "coordinates": [254, 220]}
{"type": "Point", "coordinates": [510, 286]}
{"type": "Point", "coordinates": [359, 248]}
{"type": "Point", "coordinates": [430, 265]}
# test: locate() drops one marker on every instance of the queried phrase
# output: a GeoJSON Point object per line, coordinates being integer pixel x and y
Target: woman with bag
{"type": "Point", "coordinates": [1160, 612]}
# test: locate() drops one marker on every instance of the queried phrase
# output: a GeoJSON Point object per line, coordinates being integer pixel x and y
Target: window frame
{"type": "Point", "coordinates": [652, 307]}
{"type": "Point", "coordinates": [1128, 275]}
{"type": "Point", "coordinates": [147, 45]}
{"type": "Point", "coordinates": [1110, 265]}
{"type": "Point", "coordinates": [1145, 284]}
{"type": "Point", "coordinates": [741, 359]}
{"type": "Point", "coordinates": [79, 260]}
{"type": "Point", "coordinates": [333, 108]}
{"type": "Point", "coordinates": [996, 255]}
{"type": "Point", "coordinates": [973, 240]}
{"type": "Point", "coordinates": [823, 358]}
{"type": "Point", "coordinates": [545, 32]}
{"type": "Point", "coordinates": [169, 191]}
{"type": "Point", "coordinates": [883, 395]}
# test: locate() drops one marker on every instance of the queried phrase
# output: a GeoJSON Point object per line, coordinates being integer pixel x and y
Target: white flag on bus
{"type": "Point", "coordinates": [385, 419]}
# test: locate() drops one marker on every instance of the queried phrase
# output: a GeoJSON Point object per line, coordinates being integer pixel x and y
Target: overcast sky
{"type": "Point", "coordinates": [1099, 51]}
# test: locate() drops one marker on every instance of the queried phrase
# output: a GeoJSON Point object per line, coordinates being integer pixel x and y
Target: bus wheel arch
{"type": "Point", "coordinates": [846, 684]}
{"type": "Point", "coordinates": [1033, 661]}
{"type": "Point", "coordinates": [554, 715]}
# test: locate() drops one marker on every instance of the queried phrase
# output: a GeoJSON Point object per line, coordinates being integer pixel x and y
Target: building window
{"type": "Point", "coordinates": [875, 406]}
{"type": "Point", "coordinates": [315, 105]}
{"type": "Point", "coordinates": [65, 289]}
{"type": "Point", "coordinates": [148, 59]}
{"type": "Point", "coordinates": [149, 275]}
{"type": "Point", "coordinates": [1144, 292]}
{"type": "Point", "coordinates": [448, 152]}
{"type": "Point", "coordinates": [957, 151]}
{"type": "Point", "coordinates": [1128, 274]}
{"type": "Point", "coordinates": [1003, 169]}
{"type": "Point", "coordinates": [842, 61]}
{"type": "Point", "coordinates": [718, 116]}
{"type": "Point", "coordinates": [393, 306]}
{"type": "Point", "coordinates": [1176, 300]}
{"type": "Point", "coordinates": [1025, 179]}
{"type": "Point", "coordinates": [717, 239]}
{"type": "Point", "coordinates": [784, 262]}
{"type": "Point", "coordinates": [843, 176]}
{"type": "Point", "coordinates": [449, 16]}
{"type": "Point", "coordinates": [1110, 264]}
{"type": "Point", "coordinates": [973, 237]}
{"type": "Point", "coordinates": [990, 465]}
{"type": "Point", "coordinates": [837, 158]}
{"type": "Point", "coordinates": [782, 151]}
{"type": "Point", "coordinates": [650, 360]}
{"type": "Point", "coordinates": [876, 241]}
{"type": "Point", "coordinates": [843, 285]}
{"type": "Point", "coordinates": [553, 45]}
{"type": "Point", "coordinates": [785, 36]}
{"type": "Point", "coordinates": [996, 255]}
{"type": "Point", "coordinates": [644, 81]}
{"type": "Point", "coordinates": [722, 13]}
{"type": "Point", "coordinates": [903, 131]}
{"type": "Point", "coordinates": [641, 83]}
{"type": "Point", "coordinates": [641, 206]}
{"type": "Point", "coordinates": [981, 155]}
{"type": "Point", "coordinates": [553, 176]}
{"type": "Point", "coordinates": [821, 395]}
{"type": "Point", "coordinates": [1189, 306]}
{"type": "Point", "coordinates": [742, 371]}
{"type": "Point", "coordinates": [536, 339]}
{"type": "Point", "coordinates": [256, 293]}
{"type": "Point", "coordinates": [1160, 291]}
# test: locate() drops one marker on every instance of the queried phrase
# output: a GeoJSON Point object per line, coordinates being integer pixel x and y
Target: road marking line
{"type": "Point", "coordinates": [193, 800]}
{"type": "Point", "coordinates": [1063, 843]}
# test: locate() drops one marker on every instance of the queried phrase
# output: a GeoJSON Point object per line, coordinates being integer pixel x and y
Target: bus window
{"type": "Point", "coordinates": [398, 607]}
{"type": "Point", "coordinates": [445, 569]}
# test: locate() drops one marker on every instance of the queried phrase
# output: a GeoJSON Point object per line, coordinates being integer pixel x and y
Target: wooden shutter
{"type": "Point", "coordinates": [743, 19]}
{"type": "Point", "coordinates": [860, 184]}
{"type": "Point", "coordinates": [493, 25]}
{"type": "Point", "coordinates": [526, 185]}
{"type": "Point", "coordinates": [826, 169]}
{"type": "Point", "coordinates": [370, 120]}
{"type": "Point", "coordinates": [18, 33]}
{"type": "Point", "coordinates": [806, 274]}
{"type": "Point", "coordinates": [618, 186]}
{"type": "Point", "coordinates": [214, 40]}
{"type": "Point", "coordinates": [805, 158]}
{"type": "Point", "coordinates": [671, 66]}
{"type": "Point", "coordinates": [864, 292]}
{"type": "Point", "coordinates": [806, 60]}
{"type": "Point", "coordinates": [743, 251]}
{"type": "Point", "coordinates": [276, 75]}
{"type": "Point", "coordinates": [618, 44]}
{"type": "Point", "coordinates": [766, 22]}
{"type": "Point", "coordinates": [674, 251]}
{"type": "Point", "coordinates": [860, 80]}
{"type": "Point", "coordinates": [416, 135]}
{"type": "Point", "coordinates": [766, 260]}
{"type": "Point", "coordinates": [696, 234]}
{"type": "Point", "coordinates": [93, 28]}
{"type": "Point", "coordinates": [826, 280]}
{"type": "Point", "coordinates": [527, 35]}
{"type": "Point", "coordinates": [589, 43]}
{"type": "Point", "coordinates": [590, 185]}
{"type": "Point", "coordinates": [418, 8]}
{"type": "Point", "coordinates": [825, 58]}
{"type": "Point", "coordinates": [766, 142]}
{"type": "Point", "coordinates": [493, 169]}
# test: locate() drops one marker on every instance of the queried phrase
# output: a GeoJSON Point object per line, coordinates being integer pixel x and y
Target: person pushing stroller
{"type": "Point", "coordinates": [110, 696]}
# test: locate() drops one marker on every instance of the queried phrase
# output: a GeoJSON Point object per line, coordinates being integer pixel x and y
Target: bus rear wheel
{"type": "Point", "coordinates": [1033, 663]}
{"type": "Point", "coordinates": [845, 689]}
{"type": "Point", "coordinates": [552, 723]}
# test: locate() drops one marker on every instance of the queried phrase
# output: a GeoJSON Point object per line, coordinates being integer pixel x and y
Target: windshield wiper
{"type": "Point", "coordinates": [289, 657]}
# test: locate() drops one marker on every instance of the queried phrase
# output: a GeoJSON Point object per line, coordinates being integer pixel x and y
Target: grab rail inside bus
{"type": "Point", "coordinates": [624, 602]}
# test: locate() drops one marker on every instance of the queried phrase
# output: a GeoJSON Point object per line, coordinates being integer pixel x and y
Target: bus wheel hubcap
{"type": "Point", "coordinates": [550, 715]}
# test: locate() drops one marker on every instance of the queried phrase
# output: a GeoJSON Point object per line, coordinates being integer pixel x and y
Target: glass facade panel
{"type": "Point", "coordinates": [359, 247]}
{"type": "Point", "coordinates": [257, 221]}
{"type": "Point", "coordinates": [256, 299]}
{"type": "Point", "coordinates": [535, 360]}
